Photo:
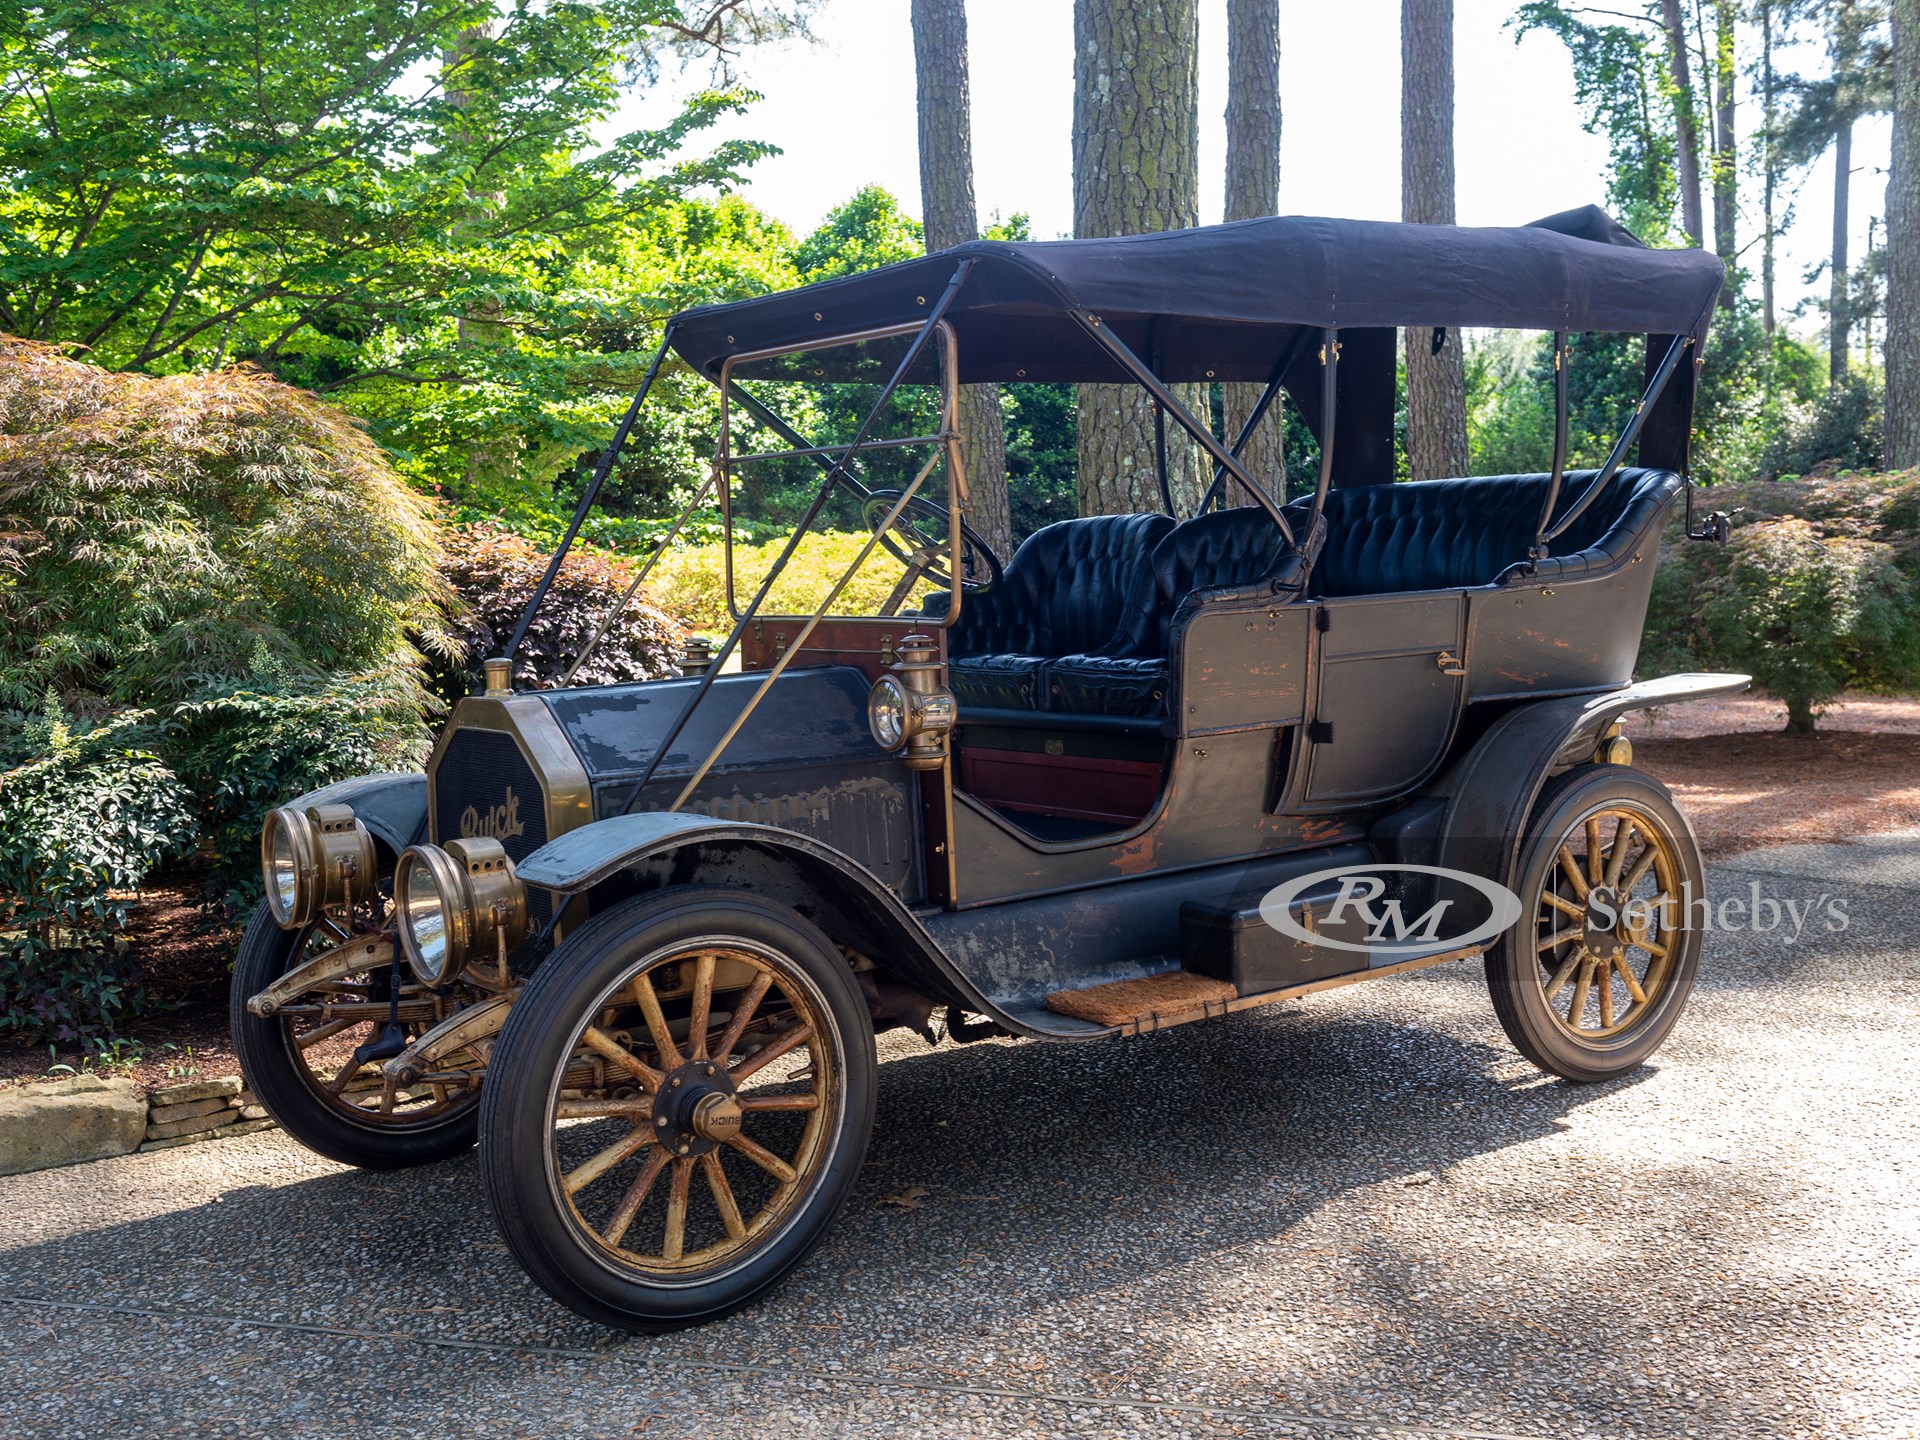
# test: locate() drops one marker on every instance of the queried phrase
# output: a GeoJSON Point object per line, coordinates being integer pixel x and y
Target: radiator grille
{"type": "Point", "coordinates": [484, 786]}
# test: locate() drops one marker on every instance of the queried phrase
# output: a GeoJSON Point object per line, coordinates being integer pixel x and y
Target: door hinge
{"type": "Point", "coordinates": [1320, 732]}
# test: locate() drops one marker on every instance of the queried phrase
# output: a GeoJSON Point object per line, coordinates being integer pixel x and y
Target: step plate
{"type": "Point", "coordinates": [1143, 1002]}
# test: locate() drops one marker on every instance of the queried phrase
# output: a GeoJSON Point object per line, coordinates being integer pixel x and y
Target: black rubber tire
{"type": "Point", "coordinates": [275, 1075]}
{"type": "Point", "coordinates": [513, 1121]}
{"type": "Point", "coordinates": [1513, 969]}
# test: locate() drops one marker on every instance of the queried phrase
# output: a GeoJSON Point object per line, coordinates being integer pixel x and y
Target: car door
{"type": "Point", "coordinates": [1389, 675]}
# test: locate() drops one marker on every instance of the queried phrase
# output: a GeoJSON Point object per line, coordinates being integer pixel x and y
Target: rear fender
{"type": "Point", "coordinates": [392, 806]}
{"type": "Point", "coordinates": [1490, 791]}
{"type": "Point", "coordinates": [635, 853]}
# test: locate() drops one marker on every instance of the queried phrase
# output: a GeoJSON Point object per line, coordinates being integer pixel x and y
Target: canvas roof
{"type": "Point", "coordinates": [1225, 301]}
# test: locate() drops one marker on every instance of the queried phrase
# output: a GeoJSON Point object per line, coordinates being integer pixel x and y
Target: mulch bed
{"type": "Point", "coordinates": [1742, 782]}
{"type": "Point", "coordinates": [1745, 791]}
{"type": "Point", "coordinates": [183, 1036]}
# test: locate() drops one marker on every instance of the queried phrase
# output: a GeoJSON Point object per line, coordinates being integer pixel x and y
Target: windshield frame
{"type": "Point", "coordinates": [947, 439]}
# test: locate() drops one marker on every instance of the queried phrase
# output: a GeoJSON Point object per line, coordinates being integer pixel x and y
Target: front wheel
{"type": "Point", "coordinates": [1592, 977]}
{"type": "Point", "coordinates": [300, 1061]}
{"type": "Point", "coordinates": [677, 1107]}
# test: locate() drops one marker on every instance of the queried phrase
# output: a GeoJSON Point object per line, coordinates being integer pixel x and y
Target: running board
{"type": "Point", "coordinates": [1156, 1002]}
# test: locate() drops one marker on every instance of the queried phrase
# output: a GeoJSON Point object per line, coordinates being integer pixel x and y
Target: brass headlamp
{"type": "Point", "coordinates": [908, 708]}
{"type": "Point", "coordinates": [312, 859]}
{"type": "Point", "coordinates": [457, 904]}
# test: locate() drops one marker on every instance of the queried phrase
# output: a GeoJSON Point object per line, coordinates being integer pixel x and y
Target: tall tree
{"type": "Point", "coordinates": [1769, 162]}
{"type": "Point", "coordinates": [950, 218]}
{"type": "Point", "coordinates": [1687, 114]}
{"type": "Point", "coordinates": [412, 206]}
{"type": "Point", "coordinates": [1253, 189]}
{"type": "Point", "coordinates": [1136, 169]}
{"type": "Point", "coordinates": [1858, 82]}
{"type": "Point", "coordinates": [1726, 168]}
{"type": "Point", "coordinates": [187, 184]}
{"type": "Point", "coordinates": [1903, 243]}
{"type": "Point", "coordinates": [1436, 370]}
{"type": "Point", "coordinates": [1620, 83]}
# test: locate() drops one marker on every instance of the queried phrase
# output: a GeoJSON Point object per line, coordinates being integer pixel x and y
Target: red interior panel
{"type": "Point", "coordinates": [1072, 786]}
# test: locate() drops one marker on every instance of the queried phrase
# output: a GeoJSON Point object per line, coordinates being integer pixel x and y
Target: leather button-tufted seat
{"type": "Point", "coordinates": [1128, 674]}
{"type": "Point", "coordinates": [1446, 534]}
{"type": "Point", "coordinates": [1060, 594]}
{"type": "Point", "coordinates": [1083, 621]}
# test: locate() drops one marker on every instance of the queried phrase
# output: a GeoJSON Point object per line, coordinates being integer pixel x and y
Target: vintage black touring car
{"type": "Point", "coordinates": [1147, 770]}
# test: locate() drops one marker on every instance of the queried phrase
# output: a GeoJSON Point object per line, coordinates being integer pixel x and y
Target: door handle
{"type": "Point", "coordinates": [1448, 664]}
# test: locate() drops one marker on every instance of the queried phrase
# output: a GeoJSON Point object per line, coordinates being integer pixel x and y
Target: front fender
{"type": "Point", "coordinates": [1490, 791]}
{"type": "Point", "coordinates": [393, 805]}
{"type": "Point", "coordinates": [839, 894]}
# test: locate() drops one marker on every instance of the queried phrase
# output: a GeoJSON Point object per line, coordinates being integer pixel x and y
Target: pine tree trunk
{"type": "Point", "coordinates": [947, 203]}
{"type": "Point", "coordinates": [1903, 244]}
{"type": "Point", "coordinates": [1726, 153]}
{"type": "Point", "coordinates": [1839, 327]}
{"type": "Point", "coordinates": [1769, 173]}
{"type": "Point", "coordinates": [1688, 116]}
{"type": "Point", "coordinates": [1253, 189]}
{"type": "Point", "coordinates": [1436, 383]}
{"type": "Point", "coordinates": [1136, 169]}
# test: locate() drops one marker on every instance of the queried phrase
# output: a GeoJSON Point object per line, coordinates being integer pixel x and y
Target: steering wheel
{"type": "Point", "coordinates": [918, 540]}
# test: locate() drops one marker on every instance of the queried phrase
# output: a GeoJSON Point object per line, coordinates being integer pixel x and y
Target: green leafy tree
{"type": "Point", "coordinates": [402, 204]}
{"type": "Point", "coordinates": [1821, 116]}
{"type": "Point", "coordinates": [867, 231]}
{"type": "Point", "coordinates": [1621, 85]}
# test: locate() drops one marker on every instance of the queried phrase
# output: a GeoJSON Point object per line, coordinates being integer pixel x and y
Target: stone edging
{"type": "Point", "coordinates": [93, 1117]}
{"type": "Point", "coordinates": [202, 1110]}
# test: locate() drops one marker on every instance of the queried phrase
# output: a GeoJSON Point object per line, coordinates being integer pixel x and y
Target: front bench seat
{"type": "Point", "coordinates": [1128, 675]}
{"type": "Point", "coordinates": [1060, 593]}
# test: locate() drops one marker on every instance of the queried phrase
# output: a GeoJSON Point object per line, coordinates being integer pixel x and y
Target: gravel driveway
{"type": "Point", "coordinates": [1360, 1215]}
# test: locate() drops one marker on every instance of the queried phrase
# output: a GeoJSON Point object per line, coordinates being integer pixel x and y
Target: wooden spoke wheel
{"type": "Point", "coordinates": [677, 1106]}
{"type": "Point", "coordinates": [1597, 970]}
{"type": "Point", "coordinates": [315, 1062]}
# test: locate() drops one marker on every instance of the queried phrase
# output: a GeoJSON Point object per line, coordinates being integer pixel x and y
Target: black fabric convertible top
{"type": "Point", "coordinates": [1223, 301]}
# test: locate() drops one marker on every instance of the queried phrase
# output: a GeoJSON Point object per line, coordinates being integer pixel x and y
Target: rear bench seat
{"type": "Point", "coordinates": [1082, 621]}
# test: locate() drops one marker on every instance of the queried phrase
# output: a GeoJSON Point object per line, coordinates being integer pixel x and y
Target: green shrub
{"type": "Point", "coordinates": [157, 532]}
{"type": "Point", "coordinates": [1840, 429]}
{"type": "Point", "coordinates": [1806, 615]}
{"type": "Point", "coordinates": [1815, 593]}
{"type": "Point", "coordinates": [495, 573]}
{"type": "Point", "coordinates": [82, 825]}
{"type": "Point", "coordinates": [243, 750]}
{"type": "Point", "coordinates": [690, 580]}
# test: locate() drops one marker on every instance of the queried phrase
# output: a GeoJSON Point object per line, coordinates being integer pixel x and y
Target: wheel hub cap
{"type": "Point", "coordinates": [696, 1109]}
{"type": "Point", "coordinates": [1604, 924]}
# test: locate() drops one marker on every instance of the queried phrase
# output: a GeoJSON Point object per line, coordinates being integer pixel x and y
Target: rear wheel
{"type": "Point", "coordinates": [677, 1107]}
{"type": "Point", "coordinates": [300, 1061]}
{"type": "Point", "coordinates": [1593, 976]}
